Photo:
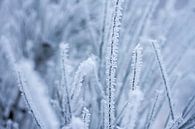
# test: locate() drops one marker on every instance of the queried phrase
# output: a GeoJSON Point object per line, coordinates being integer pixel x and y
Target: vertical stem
{"type": "Point", "coordinates": [164, 77]}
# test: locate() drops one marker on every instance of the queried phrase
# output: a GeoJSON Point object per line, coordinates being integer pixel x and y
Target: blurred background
{"type": "Point", "coordinates": [35, 28]}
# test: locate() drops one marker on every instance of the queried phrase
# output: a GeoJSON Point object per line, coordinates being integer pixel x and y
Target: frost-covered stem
{"type": "Point", "coordinates": [189, 123]}
{"type": "Point", "coordinates": [137, 32]}
{"type": "Point", "coordinates": [135, 94]}
{"type": "Point", "coordinates": [90, 26]}
{"type": "Point", "coordinates": [152, 112]}
{"type": "Point", "coordinates": [119, 117]}
{"type": "Point", "coordinates": [86, 118]}
{"type": "Point", "coordinates": [136, 97]}
{"type": "Point", "coordinates": [136, 67]}
{"type": "Point", "coordinates": [176, 123]}
{"type": "Point", "coordinates": [111, 64]}
{"type": "Point", "coordinates": [103, 34]}
{"type": "Point", "coordinates": [22, 85]}
{"type": "Point", "coordinates": [103, 37]}
{"type": "Point", "coordinates": [164, 77]}
{"type": "Point", "coordinates": [180, 120]}
{"type": "Point", "coordinates": [189, 107]}
{"type": "Point", "coordinates": [102, 113]}
{"type": "Point", "coordinates": [86, 67]}
{"type": "Point", "coordinates": [66, 99]}
{"type": "Point", "coordinates": [33, 109]}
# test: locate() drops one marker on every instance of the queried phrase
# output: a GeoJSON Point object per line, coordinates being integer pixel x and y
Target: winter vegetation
{"type": "Point", "coordinates": [97, 64]}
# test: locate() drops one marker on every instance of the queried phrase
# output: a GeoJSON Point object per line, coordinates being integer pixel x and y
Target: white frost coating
{"type": "Point", "coordinates": [34, 86]}
{"type": "Point", "coordinates": [31, 105]}
{"type": "Point", "coordinates": [135, 94]}
{"type": "Point", "coordinates": [131, 111]}
{"type": "Point", "coordinates": [66, 108]}
{"type": "Point", "coordinates": [111, 64]}
{"type": "Point", "coordinates": [31, 85]}
{"type": "Point", "coordinates": [136, 67]}
{"type": "Point", "coordinates": [86, 117]}
{"type": "Point", "coordinates": [175, 124]}
{"type": "Point", "coordinates": [164, 76]}
{"type": "Point", "coordinates": [84, 69]}
{"type": "Point", "coordinates": [64, 46]}
{"type": "Point", "coordinates": [76, 123]}
{"type": "Point", "coordinates": [153, 111]}
{"type": "Point", "coordinates": [135, 103]}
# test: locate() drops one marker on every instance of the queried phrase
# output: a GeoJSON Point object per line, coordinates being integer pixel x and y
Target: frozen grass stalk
{"type": "Point", "coordinates": [153, 111]}
{"type": "Point", "coordinates": [66, 98]}
{"type": "Point", "coordinates": [135, 94]}
{"type": "Point", "coordinates": [85, 68]}
{"type": "Point", "coordinates": [136, 67]}
{"type": "Point", "coordinates": [33, 109]}
{"type": "Point", "coordinates": [164, 76]}
{"type": "Point", "coordinates": [111, 64]}
{"type": "Point", "coordinates": [86, 117]}
{"type": "Point", "coordinates": [22, 85]}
